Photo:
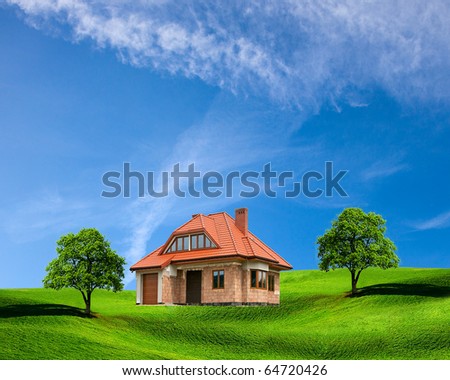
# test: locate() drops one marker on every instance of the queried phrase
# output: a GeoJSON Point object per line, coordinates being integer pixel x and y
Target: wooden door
{"type": "Point", "coordinates": [194, 287]}
{"type": "Point", "coordinates": [150, 289]}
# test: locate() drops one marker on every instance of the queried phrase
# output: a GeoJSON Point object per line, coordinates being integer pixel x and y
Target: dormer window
{"type": "Point", "coordinates": [190, 243]}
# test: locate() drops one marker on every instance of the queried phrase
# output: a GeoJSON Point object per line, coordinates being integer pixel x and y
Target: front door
{"type": "Point", "coordinates": [194, 287]}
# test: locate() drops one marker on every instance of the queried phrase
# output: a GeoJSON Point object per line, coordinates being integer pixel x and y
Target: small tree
{"type": "Point", "coordinates": [85, 262]}
{"type": "Point", "coordinates": [356, 241]}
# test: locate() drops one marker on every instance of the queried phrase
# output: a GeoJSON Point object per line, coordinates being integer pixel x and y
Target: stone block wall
{"type": "Point", "coordinates": [256, 296]}
{"type": "Point", "coordinates": [232, 291]}
{"type": "Point", "coordinates": [237, 288]}
{"type": "Point", "coordinates": [168, 289]}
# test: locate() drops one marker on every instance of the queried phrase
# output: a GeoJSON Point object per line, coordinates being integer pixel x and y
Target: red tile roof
{"type": "Point", "coordinates": [230, 241]}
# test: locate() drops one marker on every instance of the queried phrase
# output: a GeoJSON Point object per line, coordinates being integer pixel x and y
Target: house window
{"type": "Point", "coordinates": [201, 241]}
{"type": "Point", "coordinates": [218, 279]}
{"type": "Point", "coordinates": [258, 279]}
{"type": "Point", "coordinates": [271, 281]}
{"type": "Point", "coordinates": [179, 244]}
{"type": "Point", "coordinates": [186, 243]}
{"type": "Point", "coordinates": [190, 243]}
{"type": "Point", "coordinates": [173, 247]}
{"type": "Point", "coordinates": [194, 239]}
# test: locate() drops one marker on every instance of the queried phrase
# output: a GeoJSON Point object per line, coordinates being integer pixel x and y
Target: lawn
{"type": "Point", "coordinates": [400, 313]}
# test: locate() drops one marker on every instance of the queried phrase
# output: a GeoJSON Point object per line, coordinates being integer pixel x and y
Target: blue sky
{"type": "Point", "coordinates": [87, 86]}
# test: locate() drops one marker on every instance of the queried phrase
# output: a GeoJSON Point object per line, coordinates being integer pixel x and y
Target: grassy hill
{"type": "Point", "coordinates": [400, 314]}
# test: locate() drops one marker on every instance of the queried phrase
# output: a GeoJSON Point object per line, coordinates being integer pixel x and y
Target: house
{"type": "Point", "coordinates": [211, 260]}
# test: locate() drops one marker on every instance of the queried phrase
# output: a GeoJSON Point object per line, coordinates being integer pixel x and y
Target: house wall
{"type": "Point", "coordinates": [168, 289]}
{"type": "Point", "coordinates": [263, 295]}
{"type": "Point", "coordinates": [236, 290]}
{"type": "Point", "coordinates": [232, 291]}
{"type": "Point", "coordinates": [174, 287]}
{"type": "Point", "coordinates": [181, 287]}
{"type": "Point", "coordinates": [138, 288]}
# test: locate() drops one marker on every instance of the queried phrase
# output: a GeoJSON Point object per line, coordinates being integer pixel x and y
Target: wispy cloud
{"type": "Point", "coordinates": [302, 53]}
{"type": "Point", "coordinates": [382, 169]}
{"type": "Point", "coordinates": [438, 222]}
{"type": "Point", "coordinates": [229, 137]}
{"type": "Point", "coordinates": [47, 213]}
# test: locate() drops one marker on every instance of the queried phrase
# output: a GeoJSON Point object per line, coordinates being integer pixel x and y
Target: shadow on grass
{"type": "Point", "coordinates": [35, 310]}
{"type": "Point", "coordinates": [425, 290]}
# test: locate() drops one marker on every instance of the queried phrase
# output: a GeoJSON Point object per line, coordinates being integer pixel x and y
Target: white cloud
{"type": "Point", "coordinates": [437, 222]}
{"type": "Point", "coordinates": [46, 214]}
{"type": "Point", "coordinates": [302, 53]}
{"type": "Point", "coordinates": [382, 169]}
{"type": "Point", "coordinates": [228, 136]}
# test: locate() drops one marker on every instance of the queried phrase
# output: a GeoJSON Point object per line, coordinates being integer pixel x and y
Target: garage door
{"type": "Point", "coordinates": [150, 289]}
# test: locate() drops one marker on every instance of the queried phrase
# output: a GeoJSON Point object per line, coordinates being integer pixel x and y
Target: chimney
{"type": "Point", "coordinates": [241, 219]}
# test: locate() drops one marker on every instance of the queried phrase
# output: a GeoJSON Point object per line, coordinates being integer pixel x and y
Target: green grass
{"type": "Point", "coordinates": [400, 314]}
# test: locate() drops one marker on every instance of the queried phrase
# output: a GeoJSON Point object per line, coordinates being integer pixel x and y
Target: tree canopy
{"type": "Point", "coordinates": [85, 262]}
{"type": "Point", "coordinates": [356, 241]}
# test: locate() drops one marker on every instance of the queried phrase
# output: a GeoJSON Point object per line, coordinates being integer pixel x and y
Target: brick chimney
{"type": "Point", "coordinates": [241, 219]}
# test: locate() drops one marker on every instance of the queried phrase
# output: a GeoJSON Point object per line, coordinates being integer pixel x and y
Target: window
{"type": "Point", "coordinates": [258, 279]}
{"type": "Point", "coordinates": [218, 279]}
{"type": "Point", "coordinates": [253, 280]}
{"type": "Point", "coordinates": [194, 239]}
{"type": "Point", "coordinates": [186, 243]}
{"type": "Point", "coordinates": [201, 241]}
{"type": "Point", "coordinates": [262, 279]}
{"type": "Point", "coordinates": [179, 244]}
{"type": "Point", "coordinates": [271, 280]}
{"type": "Point", "coordinates": [173, 247]}
{"type": "Point", "coordinates": [190, 242]}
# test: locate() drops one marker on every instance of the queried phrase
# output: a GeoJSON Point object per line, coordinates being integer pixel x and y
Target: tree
{"type": "Point", "coordinates": [356, 241]}
{"type": "Point", "coordinates": [85, 262]}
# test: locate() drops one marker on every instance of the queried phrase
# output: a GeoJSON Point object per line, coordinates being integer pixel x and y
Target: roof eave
{"type": "Point", "coordinates": [148, 267]}
{"type": "Point", "coordinates": [205, 259]}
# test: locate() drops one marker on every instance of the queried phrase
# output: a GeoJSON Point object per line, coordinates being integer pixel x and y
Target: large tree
{"type": "Point", "coordinates": [356, 241]}
{"type": "Point", "coordinates": [85, 262]}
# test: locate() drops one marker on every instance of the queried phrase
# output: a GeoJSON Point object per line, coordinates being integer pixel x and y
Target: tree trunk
{"type": "Point", "coordinates": [355, 278]}
{"type": "Point", "coordinates": [354, 282]}
{"type": "Point", "coordinates": [88, 304]}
